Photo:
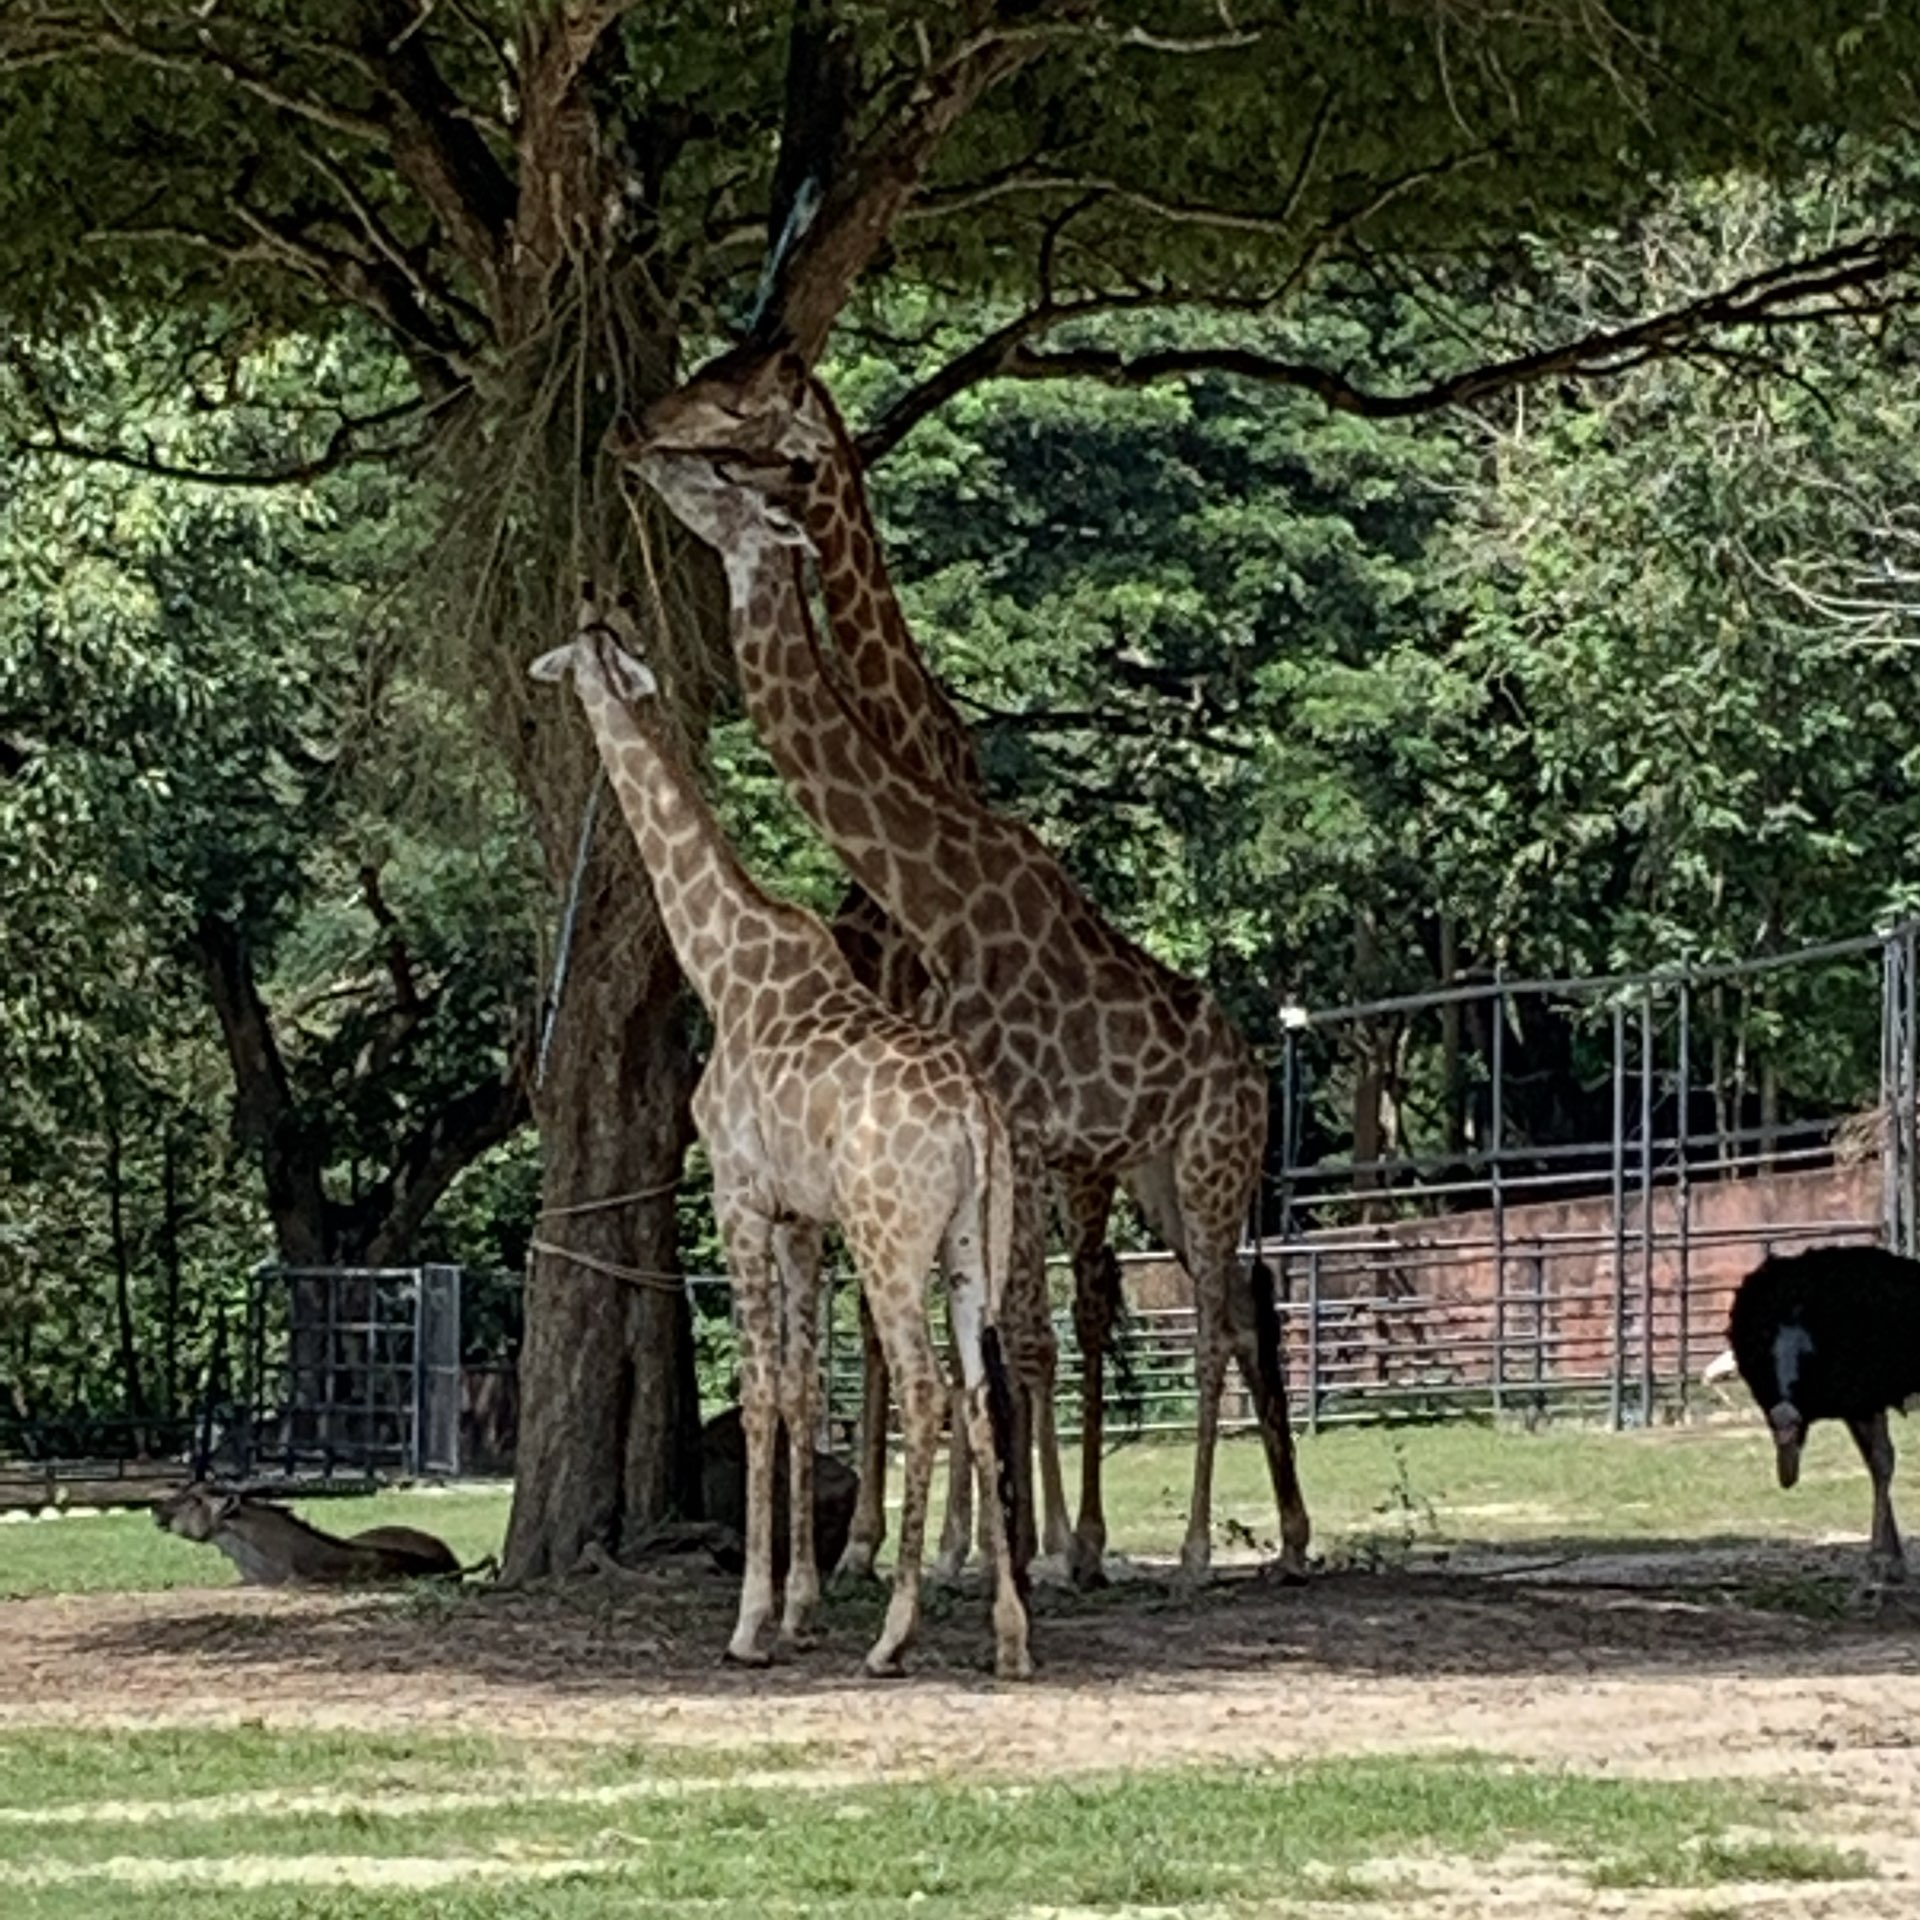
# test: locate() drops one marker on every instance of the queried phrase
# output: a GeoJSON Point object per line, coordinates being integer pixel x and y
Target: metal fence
{"type": "Point", "coordinates": [1506, 1195]}
{"type": "Point", "coordinates": [1447, 1239]}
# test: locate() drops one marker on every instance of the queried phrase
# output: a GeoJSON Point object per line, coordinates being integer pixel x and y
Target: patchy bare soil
{"type": "Point", "coordinates": [1726, 1658]}
{"type": "Point", "coordinates": [1660, 1659]}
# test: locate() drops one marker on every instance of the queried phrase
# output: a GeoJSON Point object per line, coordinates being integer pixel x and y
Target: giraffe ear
{"type": "Point", "coordinates": [554, 665]}
{"type": "Point", "coordinates": [633, 680]}
{"type": "Point", "coordinates": [783, 528]}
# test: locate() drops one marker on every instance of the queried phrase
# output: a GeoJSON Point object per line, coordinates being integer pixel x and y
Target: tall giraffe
{"type": "Point", "coordinates": [1106, 1061]}
{"type": "Point", "coordinates": [899, 699]}
{"type": "Point", "coordinates": [817, 1105]}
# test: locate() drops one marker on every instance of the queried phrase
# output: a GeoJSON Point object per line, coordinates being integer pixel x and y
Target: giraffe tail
{"type": "Point", "coordinates": [1000, 1419]}
{"type": "Point", "coordinates": [1266, 1332]}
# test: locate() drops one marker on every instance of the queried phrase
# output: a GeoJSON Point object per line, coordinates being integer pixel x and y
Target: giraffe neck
{"type": "Point", "coordinates": [923, 852]}
{"type": "Point", "coordinates": [729, 936]}
{"type": "Point", "coordinates": [891, 682]}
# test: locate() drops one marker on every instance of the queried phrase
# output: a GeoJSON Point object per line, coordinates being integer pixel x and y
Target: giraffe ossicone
{"type": "Point", "coordinates": [817, 1106]}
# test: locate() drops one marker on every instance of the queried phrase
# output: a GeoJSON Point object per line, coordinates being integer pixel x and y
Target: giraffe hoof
{"type": "Point", "coordinates": [804, 1640]}
{"type": "Point", "coordinates": [884, 1667]}
{"type": "Point", "coordinates": [753, 1657]}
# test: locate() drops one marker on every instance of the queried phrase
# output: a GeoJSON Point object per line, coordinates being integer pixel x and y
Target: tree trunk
{"type": "Point", "coordinates": [610, 1418]}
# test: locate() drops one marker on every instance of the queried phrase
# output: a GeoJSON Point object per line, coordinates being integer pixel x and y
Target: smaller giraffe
{"type": "Point", "coordinates": [817, 1106]}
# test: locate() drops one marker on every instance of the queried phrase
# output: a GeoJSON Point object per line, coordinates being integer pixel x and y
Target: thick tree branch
{"type": "Point", "coordinates": [438, 150]}
{"type": "Point", "coordinates": [265, 1120]}
{"type": "Point", "coordinates": [860, 207]}
{"type": "Point", "coordinates": [1857, 280]}
{"type": "Point", "coordinates": [390, 1215]}
{"type": "Point", "coordinates": [987, 359]}
{"type": "Point", "coordinates": [399, 958]}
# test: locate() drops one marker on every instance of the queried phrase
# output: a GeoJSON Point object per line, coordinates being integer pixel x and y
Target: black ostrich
{"type": "Point", "coordinates": [1833, 1334]}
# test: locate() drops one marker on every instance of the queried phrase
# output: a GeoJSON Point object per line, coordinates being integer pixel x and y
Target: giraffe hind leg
{"type": "Point", "coordinates": [869, 1527]}
{"type": "Point", "coordinates": [1263, 1366]}
{"type": "Point", "coordinates": [985, 1412]}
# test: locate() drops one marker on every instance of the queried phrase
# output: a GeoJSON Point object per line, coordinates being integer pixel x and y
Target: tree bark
{"type": "Point", "coordinates": [265, 1120]}
{"type": "Point", "coordinates": [170, 1267]}
{"type": "Point", "coordinates": [610, 1425]}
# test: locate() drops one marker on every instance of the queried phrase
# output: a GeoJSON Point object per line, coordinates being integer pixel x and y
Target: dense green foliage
{"type": "Point", "coordinates": [1297, 697]}
{"type": "Point", "coordinates": [188, 682]}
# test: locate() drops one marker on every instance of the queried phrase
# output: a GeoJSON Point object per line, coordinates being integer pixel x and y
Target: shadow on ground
{"type": "Point", "coordinates": [1610, 1608]}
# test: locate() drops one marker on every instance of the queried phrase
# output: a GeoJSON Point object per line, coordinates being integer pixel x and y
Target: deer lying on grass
{"type": "Point", "coordinates": [273, 1548]}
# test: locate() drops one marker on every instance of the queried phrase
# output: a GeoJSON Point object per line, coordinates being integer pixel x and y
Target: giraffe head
{"type": "Point", "coordinates": [758, 410]}
{"type": "Point", "coordinates": [606, 642]}
{"type": "Point", "coordinates": [741, 512]}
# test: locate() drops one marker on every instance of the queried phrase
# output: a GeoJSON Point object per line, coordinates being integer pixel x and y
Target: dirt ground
{"type": "Point", "coordinates": [1737, 1659]}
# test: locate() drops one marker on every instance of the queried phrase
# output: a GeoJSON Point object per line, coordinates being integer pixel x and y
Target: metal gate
{"type": "Point", "coordinates": [352, 1373]}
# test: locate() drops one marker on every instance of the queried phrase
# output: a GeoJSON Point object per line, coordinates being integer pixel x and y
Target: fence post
{"type": "Point", "coordinates": [1616, 1383]}
{"type": "Point", "coordinates": [1909, 1092]}
{"type": "Point", "coordinates": [824, 1441]}
{"type": "Point", "coordinates": [1498, 1197]}
{"type": "Point", "coordinates": [1646, 1205]}
{"type": "Point", "coordinates": [1539, 1262]}
{"type": "Point", "coordinates": [1313, 1339]}
{"type": "Point", "coordinates": [1683, 1196]}
{"type": "Point", "coordinates": [410, 1452]}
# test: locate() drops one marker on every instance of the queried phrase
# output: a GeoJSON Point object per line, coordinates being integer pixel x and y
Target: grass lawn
{"type": "Point", "coordinates": [200, 1825]}
{"type": "Point", "coordinates": [1366, 1487]}
{"type": "Point", "coordinates": [1466, 1483]}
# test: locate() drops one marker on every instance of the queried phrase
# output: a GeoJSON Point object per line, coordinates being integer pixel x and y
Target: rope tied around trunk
{"type": "Point", "coordinates": [658, 1191]}
{"type": "Point", "coordinates": [646, 1277]}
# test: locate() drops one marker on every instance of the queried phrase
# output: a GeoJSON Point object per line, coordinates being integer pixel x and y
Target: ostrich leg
{"type": "Point", "coordinates": [1876, 1449]}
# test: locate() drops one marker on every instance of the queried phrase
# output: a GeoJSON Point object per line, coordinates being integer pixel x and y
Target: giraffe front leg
{"type": "Point", "coordinates": [749, 1242]}
{"type": "Point", "coordinates": [983, 1410]}
{"type": "Point", "coordinates": [1056, 1538]}
{"type": "Point", "coordinates": [1261, 1354]}
{"type": "Point", "coordinates": [1210, 1353]}
{"type": "Point", "coordinates": [869, 1526]}
{"type": "Point", "coordinates": [1032, 1351]}
{"type": "Point", "coordinates": [796, 1253]}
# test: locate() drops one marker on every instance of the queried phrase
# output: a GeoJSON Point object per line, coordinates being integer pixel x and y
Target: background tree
{"type": "Point", "coordinates": [218, 870]}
